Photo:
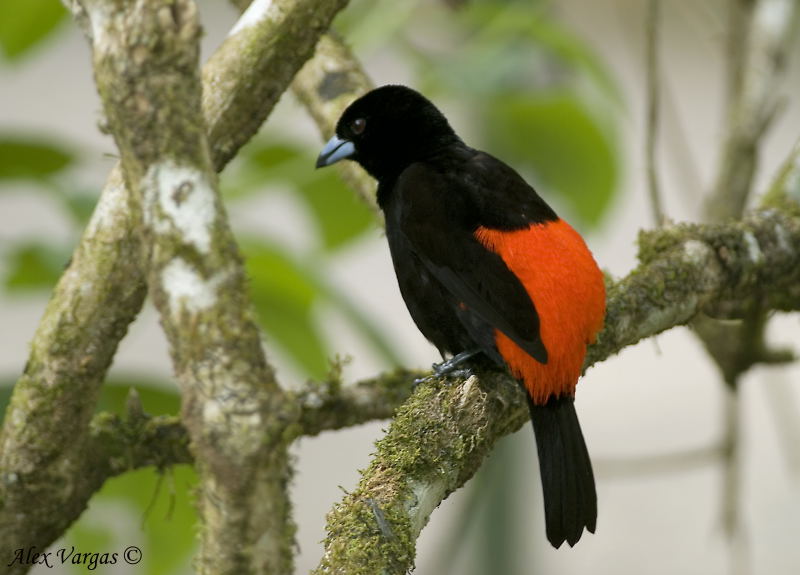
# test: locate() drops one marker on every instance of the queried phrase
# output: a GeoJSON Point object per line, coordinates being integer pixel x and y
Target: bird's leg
{"type": "Point", "coordinates": [451, 366]}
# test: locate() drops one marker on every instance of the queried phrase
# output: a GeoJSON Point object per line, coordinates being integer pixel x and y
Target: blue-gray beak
{"type": "Point", "coordinates": [336, 149]}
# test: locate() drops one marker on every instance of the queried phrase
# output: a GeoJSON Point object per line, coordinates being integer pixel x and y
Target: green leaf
{"type": "Point", "coordinates": [79, 205]}
{"type": "Point", "coordinates": [25, 23]}
{"type": "Point", "coordinates": [506, 35]}
{"type": "Point", "coordinates": [572, 50]}
{"type": "Point", "coordinates": [364, 323]}
{"type": "Point", "coordinates": [283, 296]}
{"type": "Point", "coordinates": [272, 155]}
{"type": "Point", "coordinates": [158, 505]}
{"type": "Point", "coordinates": [156, 397]}
{"type": "Point", "coordinates": [556, 138]}
{"type": "Point", "coordinates": [340, 216]}
{"type": "Point", "coordinates": [35, 265]}
{"type": "Point", "coordinates": [263, 162]}
{"type": "Point", "coordinates": [151, 510]}
{"type": "Point", "coordinates": [30, 159]}
{"type": "Point", "coordinates": [369, 23]}
{"type": "Point", "coordinates": [297, 334]}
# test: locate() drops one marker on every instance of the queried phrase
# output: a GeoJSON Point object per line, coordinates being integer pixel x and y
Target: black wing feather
{"type": "Point", "coordinates": [437, 218]}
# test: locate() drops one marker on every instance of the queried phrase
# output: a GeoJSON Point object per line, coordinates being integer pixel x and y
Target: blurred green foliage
{"type": "Point", "coordinates": [33, 265]}
{"type": "Point", "coordinates": [539, 98]}
{"type": "Point", "coordinates": [152, 510]}
{"type": "Point", "coordinates": [521, 86]}
{"type": "Point", "coordinates": [338, 216]}
{"type": "Point", "coordinates": [26, 23]}
{"type": "Point", "coordinates": [22, 158]}
{"type": "Point", "coordinates": [565, 137]}
{"type": "Point", "coordinates": [156, 505]}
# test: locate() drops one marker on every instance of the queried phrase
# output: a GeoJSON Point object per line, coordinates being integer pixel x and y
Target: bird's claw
{"type": "Point", "coordinates": [453, 367]}
{"type": "Point", "coordinates": [439, 372]}
{"type": "Point", "coordinates": [421, 380]}
{"type": "Point", "coordinates": [464, 372]}
{"type": "Point", "coordinates": [450, 368]}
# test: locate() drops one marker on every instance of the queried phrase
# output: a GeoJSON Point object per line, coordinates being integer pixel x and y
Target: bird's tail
{"type": "Point", "coordinates": [570, 500]}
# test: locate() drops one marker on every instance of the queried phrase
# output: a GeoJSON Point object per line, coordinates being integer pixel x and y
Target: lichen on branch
{"type": "Point", "coordinates": [46, 438]}
{"type": "Point", "coordinates": [233, 408]}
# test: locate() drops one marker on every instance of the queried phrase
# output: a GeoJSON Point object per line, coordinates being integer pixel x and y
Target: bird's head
{"type": "Point", "coordinates": [386, 130]}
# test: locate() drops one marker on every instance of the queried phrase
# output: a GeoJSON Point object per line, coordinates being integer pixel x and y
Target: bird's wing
{"type": "Point", "coordinates": [439, 225]}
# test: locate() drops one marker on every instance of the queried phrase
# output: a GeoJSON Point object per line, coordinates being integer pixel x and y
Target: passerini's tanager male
{"type": "Point", "coordinates": [486, 266]}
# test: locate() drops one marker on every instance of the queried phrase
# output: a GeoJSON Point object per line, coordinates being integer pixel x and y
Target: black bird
{"type": "Point", "coordinates": [485, 266]}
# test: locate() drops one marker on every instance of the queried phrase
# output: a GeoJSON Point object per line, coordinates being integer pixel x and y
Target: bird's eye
{"type": "Point", "coordinates": [357, 126]}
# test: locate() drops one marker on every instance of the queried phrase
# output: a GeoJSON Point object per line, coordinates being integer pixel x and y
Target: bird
{"type": "Point", "coordinates": [487, 269]}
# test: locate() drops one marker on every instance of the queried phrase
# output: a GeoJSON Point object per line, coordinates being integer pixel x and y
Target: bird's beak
{"type": "Point", "coordinates": [336, 149]}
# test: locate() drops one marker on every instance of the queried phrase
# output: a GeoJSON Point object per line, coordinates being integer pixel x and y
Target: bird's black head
{"type": "Point", "coordinates": [386, 130]}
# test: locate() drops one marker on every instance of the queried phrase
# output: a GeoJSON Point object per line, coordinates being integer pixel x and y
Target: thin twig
{"type": "Point", "coordinates": [651, 137]}
{"type": "Point", "coordinates": [759, 34]}
{"type": "Point", "coordinates": [759, 38]}
{"type": "Point", "coordinates": [656, 464]}
{"type": "Point", "coordinates": [330, 405]}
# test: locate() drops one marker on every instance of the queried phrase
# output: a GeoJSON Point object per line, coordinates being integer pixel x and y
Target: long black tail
{"type": "Point", "coordinates": [570, 500]}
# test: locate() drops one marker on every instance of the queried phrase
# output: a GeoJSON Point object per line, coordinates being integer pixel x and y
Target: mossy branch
{"type": "Point", "coordinates": [232, 406]}
{"type": "Point", "coordinates": [332, 405]}
{"type": "Point", "coordinates": [256, 64]}
{"type": "Point", "coordinates": [46, 429]}
{"type": "Point", "coordinates": [443, 432]}
{"type": "Point", "coordinates": [717, 269]}
{"type": "Point", "coordinates": [118, 444]}
{"type": "Point", "coordinates": [147, 74]}
{"type": "Point", "coordinates": [685, 270]}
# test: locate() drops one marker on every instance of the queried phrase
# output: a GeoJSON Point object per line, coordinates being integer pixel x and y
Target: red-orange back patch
{"type": "Point", "coordinates": [566, 286]}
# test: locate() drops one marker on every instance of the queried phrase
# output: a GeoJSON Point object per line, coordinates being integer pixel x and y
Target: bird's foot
{"type": "Point", "coordinates": [453, 367]}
